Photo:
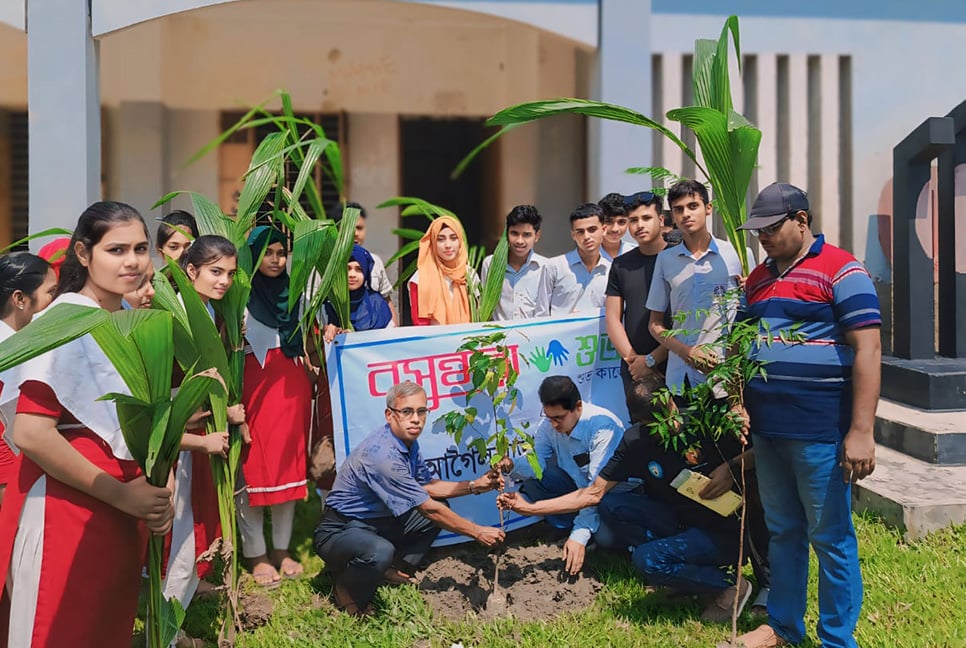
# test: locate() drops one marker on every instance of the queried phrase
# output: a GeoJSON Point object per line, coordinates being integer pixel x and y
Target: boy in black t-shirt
{"type": "Point", "coordinates": [628, 283]}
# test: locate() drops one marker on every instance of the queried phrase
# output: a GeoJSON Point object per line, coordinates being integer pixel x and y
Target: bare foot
{"type": "Point", "coordinates": [397, 577]}
{"type": "Point", "coordinates": [287, 566]}
{"type": "Point", "coordinates": [264, 572]}
{"type": "Point", "coordinates": [343, 601]}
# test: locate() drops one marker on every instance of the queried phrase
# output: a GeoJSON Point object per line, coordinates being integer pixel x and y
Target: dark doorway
{"type": "Point", "coordinates": [429, 151]}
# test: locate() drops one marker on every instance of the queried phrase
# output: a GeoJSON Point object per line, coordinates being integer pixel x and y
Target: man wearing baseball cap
{"type": "Point", "coordinates": [812, 420]}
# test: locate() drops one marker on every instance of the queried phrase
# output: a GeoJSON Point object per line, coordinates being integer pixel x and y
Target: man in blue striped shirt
{"type": "Point", "coordinates": [812, 417]}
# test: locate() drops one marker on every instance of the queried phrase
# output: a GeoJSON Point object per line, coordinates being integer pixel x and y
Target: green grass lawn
{"type": "Point", "coordinates": [915, 595]}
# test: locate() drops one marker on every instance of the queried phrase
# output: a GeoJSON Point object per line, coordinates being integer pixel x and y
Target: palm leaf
{"type": "Point", "coordinates": [465, 162]}
{"type": "Point", "coordinates": [266, 169]}
{"type": "Point", "coordinates": [313, 240]}
{"type": "Point", "coordinates": [194, 391]}
{"type": "Point", "coordinates": [208, 215]}
{"type": "Point", "coordinates": [113, 338]}
{"type": "Point", "coordinates": [493, 285]}
{"type": "Point", "coordinates": [731, 156]}
{"type": "Point", "coordinates": [206, 346]}
{"type": "Point", "coordinates": [533, 110]}
{"type": "Point", "coordinates": [53, 231]}
{"type": "Point", "coordinates": [333, 275]}
{"type": "Point", "coordinates": [57, 326]}
{"type": "Point", "coordinates": [405, 250]}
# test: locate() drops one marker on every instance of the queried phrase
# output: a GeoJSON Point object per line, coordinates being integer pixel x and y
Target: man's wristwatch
{"type": "Point", "coordinates": [649, 361]}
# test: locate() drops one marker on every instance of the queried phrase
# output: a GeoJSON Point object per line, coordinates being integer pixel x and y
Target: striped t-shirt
{"type": "Point", "coordinates": [807, 393]}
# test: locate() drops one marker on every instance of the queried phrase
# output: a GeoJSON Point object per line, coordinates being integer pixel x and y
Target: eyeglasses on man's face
{"type": "Point", "coordinates": [558, 419]}
{"type": "Point", "coordinates": [771, 229]}
{"type": "Point", "coordinates": [408, 412]}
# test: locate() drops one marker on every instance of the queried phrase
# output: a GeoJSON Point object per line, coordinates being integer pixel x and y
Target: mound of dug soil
{"type": "Point", "coordinates": [459, 579]}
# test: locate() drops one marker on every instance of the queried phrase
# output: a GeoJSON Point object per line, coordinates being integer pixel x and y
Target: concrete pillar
{"type": "Point", "coordinates": [139, 164]}
{"type": "Point", "coordinates": [622, 76]}
{"type": "Point", "coordinates": [65, 122]}
{"type": "Point", "coordinates": [373, 176]}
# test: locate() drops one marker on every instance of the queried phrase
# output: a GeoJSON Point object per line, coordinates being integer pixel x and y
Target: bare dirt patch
{"type": "Point", "coordinates": [458, 580]}
{"type": "Point", "coordinates": [254, 609]}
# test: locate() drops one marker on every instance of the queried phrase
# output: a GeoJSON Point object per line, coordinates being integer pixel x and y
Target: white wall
{"type": "Point", "coordinates": [902, 72]}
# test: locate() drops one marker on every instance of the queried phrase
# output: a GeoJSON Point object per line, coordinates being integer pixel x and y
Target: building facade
{"type": "Point", "coordinates": [114, 99]}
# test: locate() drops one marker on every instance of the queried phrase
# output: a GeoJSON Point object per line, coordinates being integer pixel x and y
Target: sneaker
{"type": "Point", "coordinates": [718, 609]}
{"type": "Point", "coordinates": [764, 636]}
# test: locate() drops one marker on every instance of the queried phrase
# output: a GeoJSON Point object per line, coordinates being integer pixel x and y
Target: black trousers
{"type": "Point", "coordinates": [360, 551]}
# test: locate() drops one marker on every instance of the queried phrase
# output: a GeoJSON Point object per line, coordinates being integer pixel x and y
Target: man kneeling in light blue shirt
{"type": "Point", "coordinates": [580, 437]}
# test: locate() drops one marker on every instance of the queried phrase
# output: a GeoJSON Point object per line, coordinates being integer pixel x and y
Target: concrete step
{"type": "Point", "coordinates": [936, 437]}
{"type": "Point", "coordinates": [912, 495]}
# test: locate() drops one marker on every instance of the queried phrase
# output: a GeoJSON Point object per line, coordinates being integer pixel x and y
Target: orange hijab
{"type": "Point", "coordinates": [434, 298]}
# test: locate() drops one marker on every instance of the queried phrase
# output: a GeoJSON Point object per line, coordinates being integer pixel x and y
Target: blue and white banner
{"type": "Point", "coordinates": [363, 366]}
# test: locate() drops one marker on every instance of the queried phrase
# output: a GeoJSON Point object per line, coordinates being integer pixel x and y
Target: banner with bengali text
{"type": "Point", "coordinates": [363, 366]}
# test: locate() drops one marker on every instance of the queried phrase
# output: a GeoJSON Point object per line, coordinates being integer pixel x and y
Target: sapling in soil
{"type": "Point", "coordinates": [491, 368]}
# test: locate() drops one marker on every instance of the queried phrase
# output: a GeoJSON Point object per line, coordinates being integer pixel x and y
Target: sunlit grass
{"type": "Point", "coordinates": [914, 596]}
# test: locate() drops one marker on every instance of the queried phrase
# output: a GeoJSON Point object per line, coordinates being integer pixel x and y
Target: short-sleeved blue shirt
{"type": "Point", "coordinates": [683, 284]}
{"type": "Point", "coordinates": [380, 478]}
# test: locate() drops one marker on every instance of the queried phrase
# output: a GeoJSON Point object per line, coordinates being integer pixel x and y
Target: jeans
{"type": "Point", "coordinates": [554, 483]}
{"type": "Point", "coordinates": [807, 503]}
{"type": "Point", "coordinates": [692, 559]}
{"type": "Point", "coordinates": [360, 551]}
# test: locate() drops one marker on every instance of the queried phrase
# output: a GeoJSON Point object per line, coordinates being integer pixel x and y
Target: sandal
{"type": "Point", "coordinates": [288, 567]}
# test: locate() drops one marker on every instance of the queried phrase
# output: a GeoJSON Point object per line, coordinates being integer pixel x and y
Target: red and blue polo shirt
{"type": "Point", "coordinates": [807, 391]}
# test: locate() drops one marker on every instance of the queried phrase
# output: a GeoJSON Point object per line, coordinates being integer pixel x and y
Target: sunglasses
{"type": "Point", "coordinates": [771, 229]}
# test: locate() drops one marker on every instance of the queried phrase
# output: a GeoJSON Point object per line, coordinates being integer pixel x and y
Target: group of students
{"type": "Point", "coordinates": [808, 426]}
{"type": "Point", "coordinates": [76, 508]}
{"type": "Point", "coordinates": [73, 472]}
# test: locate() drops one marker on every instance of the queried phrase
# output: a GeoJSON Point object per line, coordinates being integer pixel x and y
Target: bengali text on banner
{"type": "Point", "coordinates": [363, 366]}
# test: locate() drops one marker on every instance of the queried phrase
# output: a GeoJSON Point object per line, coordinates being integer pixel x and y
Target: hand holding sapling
{"type": "Point", "coordinates": [489, 536]}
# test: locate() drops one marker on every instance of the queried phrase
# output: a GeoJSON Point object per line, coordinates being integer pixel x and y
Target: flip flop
{"type": "Point", "coordinates": [264, 575]}
{"type": "Point", "coordinates": [292, 572]}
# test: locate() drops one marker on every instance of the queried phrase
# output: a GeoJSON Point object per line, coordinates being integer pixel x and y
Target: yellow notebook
{"type": "Point", "coordinates": [690, 483]}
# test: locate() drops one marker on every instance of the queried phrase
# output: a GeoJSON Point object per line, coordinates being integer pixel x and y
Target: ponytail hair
{"type": "Point", "coordinates": [207, 249]}
{"type": "Point", "coordinates": [96, 221]}
{"type": "Point", "coordinates": [21, 271]}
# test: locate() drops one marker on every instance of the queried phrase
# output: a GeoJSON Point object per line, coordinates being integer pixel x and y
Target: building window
{"type": "Point", "coordinates": [236, 152]}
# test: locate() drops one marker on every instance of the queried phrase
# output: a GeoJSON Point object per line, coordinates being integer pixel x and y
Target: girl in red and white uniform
{"type": "Point", "coordinates": [278, 405]}
{"type": "Point", "coordinates": [27, 286]}
{"type": "Point", "coordinates": [210, 262]}
{"type": "Point", "coordinates": [72, 540]}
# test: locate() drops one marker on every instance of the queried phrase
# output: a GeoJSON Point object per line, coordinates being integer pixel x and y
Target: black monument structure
{"type": "Point", "coordinates": [928, 366]}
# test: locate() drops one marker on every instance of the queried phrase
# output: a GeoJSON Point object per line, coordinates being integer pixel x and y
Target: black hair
{"type": "Point", "coordinates": [207, 249]}
{"type": "Point", "coordinates": [668, 219]}
{"type": "Point", "coordinates": [559, 390]}
{"type": "Point", "coordinates": [638, 398]}
{"type": "Point", "coordinates": [524, 215]}
{"type": "Point", "coordinates": [683, 188]}
{"type": "Point", "coordinates": [21, 271]}
{"type": "Point", "coordinates": [96, 221]}
{"type": "Point", "coordinates": [177, 221]}
{"type": "Point", "coordinates": [612, 205]}
{"type": "Point", "coordinates": [587, 210]}
{"type": "Point", "coordinates": [644, 199]}
{"type": "Point", "coordinates": [335, 212]}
